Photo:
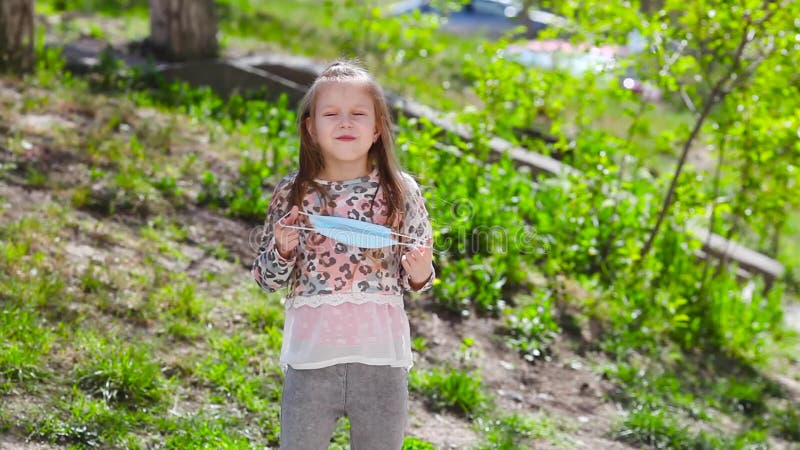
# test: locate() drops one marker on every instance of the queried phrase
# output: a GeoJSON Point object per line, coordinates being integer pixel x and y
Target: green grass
{"type": "Point", "coordinates": [185, 312]}
{"type": "Point", "coordinates": [83, 421]}
{"type": "Point", "coordinates": [517, 431]}
{"type": "Point", "coordinates": [26, 337]}
{"type": "Point", "coordinates": [24, 341]}
{"type": "Point", "coordinates": [412, 443]}
{"type": "Point", "coordinates": [532, 327]}
{"type": "Point", "coordinates": [113, 391]}
{"type": "Point", "coordinates": [119, 372]}
{"type": "Point", "coordinates": [419, 344]}
{"type": "Point", "coordinates": [656, 428]}
{"type": "Point", "coordinates": [666, 404]}
{"type": "Point", "coordinates": [204, 431]}
{"type": "Point", "coordinates": [239, 370]}
{"type": "Point", "coordinates": [452, 390]}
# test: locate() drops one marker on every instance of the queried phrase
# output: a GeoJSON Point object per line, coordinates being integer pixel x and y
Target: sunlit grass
{"type": "Point", "coordinates": [453, 390]}
{"type": "Point", "coordinates": [24, 340]}
{"type": "Point", "coordinates": [520, 430]}
{"type": "Point", "coordinates": [119, 372]}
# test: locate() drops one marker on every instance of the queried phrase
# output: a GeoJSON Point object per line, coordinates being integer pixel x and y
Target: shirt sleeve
{"type": "Point", "coordinates": [270, 270]}
{"type": "Point", "coordinates": [417, 224]}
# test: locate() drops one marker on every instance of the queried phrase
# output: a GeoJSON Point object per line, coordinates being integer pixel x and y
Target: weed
{"type": "Point", "coordinates": [532, 328]}
{"type": "Point", "coordinates": [412, 443]}
{"type": "Point", "coordinates": [203, 432]}
{"type": "Point", "coordinates": [119, 372]}
{"type": "Point", "coordinates": [450, 390]}
{"type": "Point", "coordinates": [514, 431]}
{"type": "Point", "coordinates": [419, 344]}
{"type": "Point", "coordinates": [241, 370]}
{"type": "Point", "coordinates": [55, 431]}
{"type": "Point", "coordinates": [24, 340]}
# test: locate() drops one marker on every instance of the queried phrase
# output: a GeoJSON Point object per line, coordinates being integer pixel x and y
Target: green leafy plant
{"type": "Point", "coordinates": [57, 432]}
{"type": "Point", "coordinates": [515, 431]}
{"type": "Point", "coordinates": [24, 340]}
{"type": "Point", "coordinates": [419, 344]}
{"type": "Point", "coordinates": [453, 390]}
{"type": "Point", "coordinates": [412, 443]}
{"type": "Point", "coordinates": [236, 370]}
{"type": "Point", "coordinates": [203, 432]}
{"type": "Point", "coordinates": [533, 327]}
{"type": "Point", "coordinates": [119, 373]}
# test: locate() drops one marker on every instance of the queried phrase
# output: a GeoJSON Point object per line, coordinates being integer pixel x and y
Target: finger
{"type": "Point", "coordinates": [288, 246]}
{"type": "Point", "coordinates": [291, 218]}
{"type": "Point", "coordinates": [291, 214]}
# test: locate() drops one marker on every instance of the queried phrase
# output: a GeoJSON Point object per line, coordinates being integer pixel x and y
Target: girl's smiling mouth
{"type": "Point", "coordinates": [346, 137]}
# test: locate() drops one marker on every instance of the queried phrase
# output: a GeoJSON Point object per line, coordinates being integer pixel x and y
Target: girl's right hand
{"type": "Point", "coordinates": [287, 239]}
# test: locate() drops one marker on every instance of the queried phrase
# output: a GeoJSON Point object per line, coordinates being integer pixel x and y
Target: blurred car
{"type": "Point", "coordinates": [580, 59]}
{"type": "Point", "coordinates": [493, 18]}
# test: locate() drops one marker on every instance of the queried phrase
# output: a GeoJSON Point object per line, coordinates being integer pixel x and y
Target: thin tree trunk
{"type": "Point", "coordinates": [16, 35]}
{"type": "Point", "coordinates": [181, 30]}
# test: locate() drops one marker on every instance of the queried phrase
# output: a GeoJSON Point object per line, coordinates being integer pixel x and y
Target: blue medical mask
{"type": "Point", "coordinates": [355, 232]}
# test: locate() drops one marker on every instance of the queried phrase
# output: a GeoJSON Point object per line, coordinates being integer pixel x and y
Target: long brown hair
{"type": "Point", "coordinates": [381, 153]}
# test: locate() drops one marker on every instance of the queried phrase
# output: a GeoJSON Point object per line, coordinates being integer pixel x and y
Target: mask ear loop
{"type": "Point", "coordinates": [294, 226]}
{"type": "Point", "coordinates": [423, 245]}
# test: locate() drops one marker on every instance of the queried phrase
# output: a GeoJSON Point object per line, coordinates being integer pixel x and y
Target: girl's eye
{"type": "Point", "coordinates": [359, 114]}
{"type": "Point", "coordinates": [329, 114]}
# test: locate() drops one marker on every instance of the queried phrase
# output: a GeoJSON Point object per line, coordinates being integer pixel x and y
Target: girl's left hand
{"type": "Point", "coordinates": [418, 263]}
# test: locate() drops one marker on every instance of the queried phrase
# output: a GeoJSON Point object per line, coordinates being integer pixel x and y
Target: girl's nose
{"type": "Point", "coordinates": [346, 121]}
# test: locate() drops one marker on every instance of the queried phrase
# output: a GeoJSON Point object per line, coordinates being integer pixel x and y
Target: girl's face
{"type": "Point", "coordinates": [344, 124]}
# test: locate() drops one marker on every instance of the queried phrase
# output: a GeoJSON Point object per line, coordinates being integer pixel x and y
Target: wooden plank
{"type": "Point", "coordinates": [748, 259]}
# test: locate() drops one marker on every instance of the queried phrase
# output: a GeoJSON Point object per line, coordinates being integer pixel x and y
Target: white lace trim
{"type": "Point", "coordinates": [316, 301]}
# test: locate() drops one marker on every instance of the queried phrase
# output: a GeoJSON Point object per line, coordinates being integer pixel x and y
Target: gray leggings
{"type": "Point", "coordinates": [375, 398]}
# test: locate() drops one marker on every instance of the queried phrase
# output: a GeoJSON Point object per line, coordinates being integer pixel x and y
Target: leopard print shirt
{"type": "Point", "coordinates": [322, 266]}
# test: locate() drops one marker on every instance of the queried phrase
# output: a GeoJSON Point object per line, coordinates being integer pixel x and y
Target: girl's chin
{"type": "Point", "coordinates": [347, 157]}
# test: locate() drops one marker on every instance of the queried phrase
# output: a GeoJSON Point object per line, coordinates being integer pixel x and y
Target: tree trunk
{"type": "Point", "coordinates": [181, 30]}
{"type": "Point", "coordinates": [16, 35]}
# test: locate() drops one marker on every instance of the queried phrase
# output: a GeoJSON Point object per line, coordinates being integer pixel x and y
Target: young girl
{"type": "Point", "coordinates": [346, 340]}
